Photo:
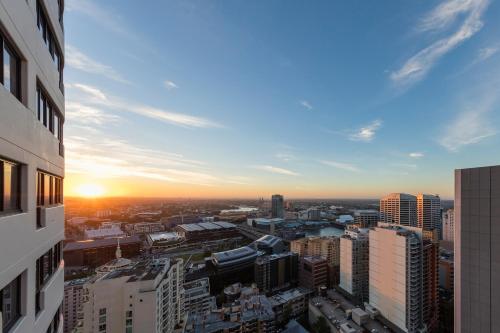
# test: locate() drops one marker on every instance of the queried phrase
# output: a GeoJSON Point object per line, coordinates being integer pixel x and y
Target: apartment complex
{"type": "Point", "coordinates": [449, 225]}
{"type": "Point", "coordinates": [366, 218]}
{"type": "Point", "coordinates": [277, 206]}
{"type": "Point", "coordinates": [477, 249]}
{"type": "Point", "coordinates": [407, 257]}
{"type": "Point", "coordinates": [399, 208]}
{"type": "Point", "coordinates": [73, 303]}
{"type": "Point", "coordinates": [31, 165]}
{"type": "Point", "coordinates": [142, 296]}
{"type": "Point", "coordinates": [197, 298]}
{"type": "Point", "coordinates": [276, 272]}
{"type": "Point", "coordinates": [428, 211]}
{"type": "Point", "coordinates": [354, 260]}
{"type": "Point", "coordinates": [326, 247]}
{"type": "Point", "coordinates": [313, 272]}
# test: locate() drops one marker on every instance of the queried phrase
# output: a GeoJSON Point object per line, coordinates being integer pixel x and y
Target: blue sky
{"type": "Point", "coordinates": [309, 99]}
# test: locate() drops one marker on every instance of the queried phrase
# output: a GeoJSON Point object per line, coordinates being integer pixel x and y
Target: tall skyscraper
{"type": "Point", "coordinates": [277, 206]}
{"type": "Point", "coordinates": [428, 211]}
{"type": "Point", "coordinates": [403, 276]}
{"type": "Point", "coordinates": [477, 250]}
{"type": "Point", "coordinates": [354, 260]}
{"type": "Point", "coordinates": [449, 225]}
{"type": "Point", "coordinates": [31, 165]}
{"type": "Point", "coordinates": [399, 208]}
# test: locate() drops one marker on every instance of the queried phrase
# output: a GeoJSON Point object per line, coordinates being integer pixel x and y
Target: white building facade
{"type": "Point", "coordinates": [354, 260]}
{"type": "Point", "coordinates": [146, 296]}
{"type": "Point", "coordinates": [395, 275]}
{"type": "Point", "coordinates": [31, 165]}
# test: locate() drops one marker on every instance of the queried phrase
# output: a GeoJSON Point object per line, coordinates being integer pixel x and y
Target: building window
{"type": "Point", "coordinates": [49, 189]}
{"type": "Point", "coordinates": [10, 304]}
{"type": "Point", "coordinates": [49, 39]}
{"type": "Point", "coordinates": [10, 186]}
{"type": "Point", "coordinates": [46, 266]}
{"type": "Point", "coordinates": [48, 114]}
{"type": "Point", "coordinates": [54, 324]}
{"type": "Point", "coordinates": [10, 71]}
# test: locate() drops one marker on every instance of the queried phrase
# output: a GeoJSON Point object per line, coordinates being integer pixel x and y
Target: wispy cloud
{"type": "Point", "coordinates": [170, 85]}
{"type": "Point", "coordinates": [306, 104]}
{"type": "Point", "coordinates": [97, 97]}
{"type": "Point", "coordinates": [273, 169]}
{"type": "Point", "coordinates": [286, 157]}
{"type": "Point", "coordinates": [416, 67]}
{"type": "Point", "coordinates": [470, 127]}
{"type": "Point", "coordinates": [79, 113]}
{"type": "Point", "coordinates": [416, 155]}
{"type": "Point", "coordinates": [486, 53]}
{"type": "Point", "coordinates": [78, 60]}
{"type": "Point", "coordinates": [366, 133]}
{"type": "Point", "coordinates": [341, 166]}
{"type": "Point", "coordinates": [108, 157]}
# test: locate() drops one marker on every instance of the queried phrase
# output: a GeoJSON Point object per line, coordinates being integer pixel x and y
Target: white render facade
{"type": "Point", "coordinates": [354, 260]}
{"type": "Point", "coordinates": [148, 296]}
{"type": "Point", "coordinates": [31, 165]}
{"type": "Point", "coordinates": [395, 275]}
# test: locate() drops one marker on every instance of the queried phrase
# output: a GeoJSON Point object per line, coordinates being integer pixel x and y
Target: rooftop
{"type": "Point", "coordinates": [95, 243]}
{"type": "Point", "coordinates": [239, 253]}
{"type": "Point", "coordinates": [164, 236]}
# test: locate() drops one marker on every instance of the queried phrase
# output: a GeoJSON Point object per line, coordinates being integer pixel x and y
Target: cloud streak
{"type": "Point", "coordinates": [417, 66]}
{"type": "Point", "coordinates": [366, 133]}
{"type": "Point", "coordinates": [341, 166]}
{"type": "Point", "coordinates": [86, 94]}
{"type": "Point", "coordinates": [306, 104]}
{"type": "Point", "coordinates": [276, 170]}
{"type": "Point", "coordinates": [416, 155]}
{"type": "Point", "coordinates": [78, 60]}
{"type": "Point", "coordinates": [170, 85]}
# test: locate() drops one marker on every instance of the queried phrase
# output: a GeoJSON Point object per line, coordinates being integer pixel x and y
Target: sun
{"type": "Point", "coordinates": [90, 190]}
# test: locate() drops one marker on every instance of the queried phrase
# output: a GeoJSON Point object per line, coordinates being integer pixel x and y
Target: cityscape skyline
{"type": "Point", "coordinates": [396, 104]}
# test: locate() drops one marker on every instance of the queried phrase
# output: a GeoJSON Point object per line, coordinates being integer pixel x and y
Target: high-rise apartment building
{"type": "Point", "coordinates": [276, 272]}
{"type": "Point", "coordinates": [31, 165]}
{"type": "Point", "coordinates": [366, 218]}
{"type": "Point", "coordinates": [197, 298]}
{"type": "Point", "coordinates": [326, 247]}
{"type": "Point", "coordinates": [313, 272]}
{"type": "Point", "coordinates": [449, 225]}
{"type": "Point", "coordinates": [477, 250]}
{"type": "Point", "coordinates": [73, 303]}
{"type": "Point", "coordinates": [354, 260]}
{"type": "Point", "coordinates": [143, 296]}
{"type": "Point", "coordinates": [277, 206]}
{"type": "Point", "coordinates": [428, 211]}
{"type": "Point", "coordinates": [399, 208]}
{"type": "Point", "coordinates": [403, 276]}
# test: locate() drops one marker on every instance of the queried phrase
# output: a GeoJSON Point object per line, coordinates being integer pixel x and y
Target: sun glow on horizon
{"type": "Point", "coordinates": [90, 190]}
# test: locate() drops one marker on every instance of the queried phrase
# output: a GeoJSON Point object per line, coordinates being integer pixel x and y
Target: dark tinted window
{"type": "Point", "coordinates": [10, 303]}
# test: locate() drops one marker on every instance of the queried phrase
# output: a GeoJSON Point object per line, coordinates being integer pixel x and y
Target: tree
{"type": "Point", "coordinates": [321, 326]}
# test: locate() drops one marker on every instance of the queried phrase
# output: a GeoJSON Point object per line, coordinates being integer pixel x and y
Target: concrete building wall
{"type": "Point", "coordinates": [477, 249]}
{"type": "Point", "coordinates": [24, 140]}
{"type": "Point", "coordinates": [388, 275]}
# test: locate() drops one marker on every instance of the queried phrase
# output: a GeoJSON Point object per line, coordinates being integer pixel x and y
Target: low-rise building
{"type": "Point", "coordinates": [106, 230]}
{"type": "Point", "coordinates": [144, 228]}
{"type": "Point", "coordinates": [164, 240]}
{"type": "Point", "coordinates": [290, 304]}
{"type": "Point", "coordinates": [366, 218]}
{"type": "Point", "coordinates": [270, 244]}
{"type": "Point", "coordinates": [205, 231]}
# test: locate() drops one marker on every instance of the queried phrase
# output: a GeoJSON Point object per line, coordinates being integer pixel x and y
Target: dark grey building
{"type": "Point", "coordinates": [477, 250]}
{"type": "Point", "coordinates": [277, 206]}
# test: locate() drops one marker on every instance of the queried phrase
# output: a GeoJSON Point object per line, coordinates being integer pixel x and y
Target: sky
{"type": "Point", "coordinates": [242, 99]}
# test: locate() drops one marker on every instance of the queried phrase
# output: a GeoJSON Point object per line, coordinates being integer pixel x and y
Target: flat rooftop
{"type": "Point", "coordinates": [164, 236]}
{"type": "Point", "coordinates": [95, 243]}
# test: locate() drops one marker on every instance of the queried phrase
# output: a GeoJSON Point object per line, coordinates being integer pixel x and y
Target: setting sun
{"type": "Point", "coordinates": [90, 190]}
